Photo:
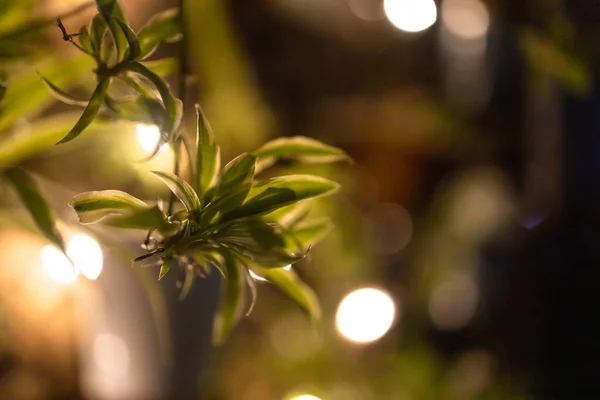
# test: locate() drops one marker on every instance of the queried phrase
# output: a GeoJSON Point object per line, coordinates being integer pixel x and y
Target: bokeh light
{"type": "Point", "coordinates": [467, 19]}
{"type": "Point", "coordinates": [305, 397]}
{"type": "Point", "coordinates": [57, 265]}
{"type": "Point", "coordinates": [453, 303]}
{"type": "Point", "coordinates": [391, 228]}
{"type": "Point", "coordinates": [365, 315]}
{"type": "Point", "coordinates": [86, 254]}
{"type": "Point", "coordinates": [410, 15]}
{"type": "Point", "coordinates": [111, 355]}
{"type": "Point", "coordinates": [148, 137]}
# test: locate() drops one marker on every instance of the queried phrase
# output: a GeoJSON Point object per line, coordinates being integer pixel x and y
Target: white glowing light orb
{"type": "Point", "coordinates": [410, 15]}
{"type": "Point", "coordinates": [260, 278]}
{"type": "Point", "coordinates": [57, 265]}
{"type": "Point", "coordinates": [86, 254]}
{"type": "Point", "coordinates": [467, 19]}
{"type": "Point", "coordinates": [365, 315]}
{"type": "Point", "coordinates": [305, 397]}
{"type": "Point", "coordinates": [148, 137]}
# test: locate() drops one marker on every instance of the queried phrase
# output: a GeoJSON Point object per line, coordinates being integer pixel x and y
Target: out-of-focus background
{"type": "Point", "coordinates": [465, 259]}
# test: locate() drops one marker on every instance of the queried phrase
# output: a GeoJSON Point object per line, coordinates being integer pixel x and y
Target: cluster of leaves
{"type": "Point", "coordinates": [226, 218]}
{"type": "Point", "coordinates": [229, 220]}
{"type": "Point", "coordinates": [119, 53]}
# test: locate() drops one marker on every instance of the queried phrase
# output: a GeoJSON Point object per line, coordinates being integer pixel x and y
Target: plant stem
{"type": "Point", "coordinates": [182, 91]}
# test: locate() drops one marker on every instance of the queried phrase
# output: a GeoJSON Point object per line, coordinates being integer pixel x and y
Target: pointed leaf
{"type": "Point", "coordinates": [37, 206]}
{"type": "Point", "coordinates": [134, 52]}
{"type": "Point", "coordinates": [278, 192]}
{"type": "Point", "coordinates": [162, 27]}
{"type": "Point", "coordinates": [232, 302]}
{"type": "Point", "coordinates": [300, 148]}
{"type": "Point", "coordinates": [111, 12]}
{"type": "Point", "coordinates": [150, 218]}
{"type": "Point", "coordinates": [309, 233]}
{"type": "Point", "coordinates": [164, 269]}
{"type": "Point", "coordinates": [289, 216]}
{"type": "Point", "coordinates": [237, 172]}
{"type": "Point", "coordinates": [184, 192]}
{"type": "Point", "coordinates": [172, 105]}
{"type": "Point", "coordinates": [163, 67]}
{"type": "Point", "coordinates": [90, 111]}
{"type": "Point", "coordinates": [188, 282]}
{"type": "Point", "coordinates": [208, 160]}
{"type": "Point", "coordinates": [260, 242]}
{"type": "Point", "coordinates": [291, 285]}
{"type": "Point", "coordinates": [62, 96]}
{"type": "Point", "coordinates": [141, 109]}
{"type": "Point", "coordinates": [253, 294]}
{"type": "Point", "coordinates": [97, 29]}
{"type": "Point", "coordinates": [93, 206]}
{"type": "Point", "coordinates": [84, 39]}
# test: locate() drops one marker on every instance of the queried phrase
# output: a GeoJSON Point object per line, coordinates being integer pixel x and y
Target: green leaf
{"type": "Point", "coordinates": [111, 12]}
{"type": "Point", "coordinates": [291, 285]}
{"type": "Point", "coordinates": [309, 233]}
{"type": "Point", "coordinates": [97, 30]}
{"type": "Point", "coordinates": [288, 216]}
{"type": "Point", "coordinates": [85, 40]}
{"type": "Point", "coordinates": [208, 160]}
{"type": "Point", "coordinates": [93, 206]}
{"type": "Point", "coordinates": [163, 67]}
{"type": "Point", "coordinates": [164, 269]}
{"type": "Point", "coordinates": [62, 96]}
{"type": "Point", "coordinates": [141, 109]}
{"type": "Point", "coordinates": [162, 27]}
{"type": "Point", "coordinates": [37, 206]}
{"type": "Point", "coordinates": [300, 148]}
{"type": "Point", "coordinates": [237, 172]}
{"type": "Point", "coordinates": [134, 51]}
{"type": "Point", "coordinates": [145, 218]}
{"type": "Point", "coordinates": [268, 196]}
{"type": "Point", "coordinates": [184, 192]}
{"type": "Point", "coordinates": [90, 111]}
{"type": "Point", "coordinates": [26, 94]}
{"type": "Point", "coordinates": [253, 294]}
{"type": "Point", "coordinates": [232, 302]}
{"type": "Point", "coordinates": [260, 242]}
{"type": "Point", "coordinates": [188, 282]}
{"type": "Point", "coordinates": [172, 105]}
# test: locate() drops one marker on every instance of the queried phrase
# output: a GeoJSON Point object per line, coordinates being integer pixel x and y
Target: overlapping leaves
{"type": "Point", "coordinates": [119, 53]}
{"type": "Point", "coordinates": [229, 220]}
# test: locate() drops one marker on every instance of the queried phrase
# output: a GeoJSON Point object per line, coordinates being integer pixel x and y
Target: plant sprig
{"type": "Point", "coordinates": [225, 218]}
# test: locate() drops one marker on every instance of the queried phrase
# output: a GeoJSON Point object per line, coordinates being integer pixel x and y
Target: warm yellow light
{"type": "Point", "coordinates": [86, 254]}
{"type": "Point", "coordinates": [467, 19]}
{"type": "Point", "coordinates": [57, 265]}
{"type": "Point", "coordinates": [148, 137]}
{"type": "Point", "coordinates": [410, 15]}
{"type": "Point", "coordinates": [260, 278]}
{"type": "Point", "coordinates": [305, 397]}
{"type": "Point", "coordinates": [365, 315]}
